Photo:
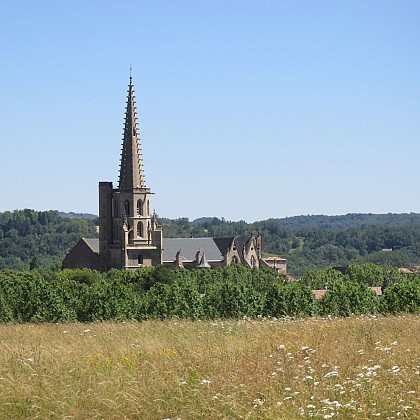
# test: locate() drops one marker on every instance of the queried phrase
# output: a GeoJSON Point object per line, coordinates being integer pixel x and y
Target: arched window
{"type": "Point", "coordinates": [127, 208]}
{"type": "Point", "coordinates": [234, 260]}
{"type": "Point", "coordinates": [140, 230]}
{"type": "Point", "coordinates": [253, 261]}
{"type": "Point", "coordinates": [148, 208]}
{"type": "Point", "coordinates": [140, 207]}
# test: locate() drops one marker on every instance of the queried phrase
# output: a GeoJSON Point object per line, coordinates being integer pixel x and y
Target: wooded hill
{"type": "Point", "coordinates": [42, 238]}
{"type": "Point", "coordinates": [321, 241]}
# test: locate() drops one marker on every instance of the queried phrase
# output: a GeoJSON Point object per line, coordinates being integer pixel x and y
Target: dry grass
{"type": "Point", "coordinates": [346, 368]}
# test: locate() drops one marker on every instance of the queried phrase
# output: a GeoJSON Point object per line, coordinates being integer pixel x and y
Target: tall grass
{"type": "Point", "coordinates": [321, 368]}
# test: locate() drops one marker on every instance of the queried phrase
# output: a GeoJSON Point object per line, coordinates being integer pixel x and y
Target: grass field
{"type": "Point", "coordinates": [280, 369]}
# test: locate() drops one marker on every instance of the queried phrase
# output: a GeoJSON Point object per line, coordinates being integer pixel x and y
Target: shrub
{"type": "Point", "coordinates": [347, 298]}
{"type": "Point", "coordinates": [292, 299]}
{"type": "Point", "coordinates": [233, 300]}
{"type": "Point", "coordinates": [403, 297]}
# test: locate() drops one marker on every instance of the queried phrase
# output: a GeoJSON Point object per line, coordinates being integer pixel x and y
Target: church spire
{"type": "Point", "coordinates": [131, 167]}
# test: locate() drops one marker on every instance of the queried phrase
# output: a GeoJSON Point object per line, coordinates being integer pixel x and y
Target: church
{"type": "Point", "coordinates": [130, 235]}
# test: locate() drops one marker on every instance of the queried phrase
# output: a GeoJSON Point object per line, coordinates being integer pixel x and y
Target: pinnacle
{"type": "Point", "coordinates": [131, 167]}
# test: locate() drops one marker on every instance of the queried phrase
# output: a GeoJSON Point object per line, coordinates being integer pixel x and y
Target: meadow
{"type": "Point", "coordinates": [358, 367]}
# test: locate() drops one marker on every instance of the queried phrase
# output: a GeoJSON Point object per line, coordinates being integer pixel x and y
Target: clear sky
{"type": "Point", "coordinates": [247, 109]}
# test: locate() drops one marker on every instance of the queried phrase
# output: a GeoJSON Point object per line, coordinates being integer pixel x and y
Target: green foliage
{"type": "Point", "coordinates": [403, 297]}
{"type": "Point", "coordinates": [111, 300]}
{"type": "Point", "coordinates": [310, 242]}
{"type": "Point", "coordinates": [181, 300]}
{"type": "Point", "coordinates": [374, 275]}
{"type": "Point", "coordinates": [232, 292]}
{"type": "Point", "coordinates": [319, 279]}
{"type": "Point", "coordinates": [233, 300]}
{"type": "Point", "coordinates": [38, 239]}
{"type": "Point", "coordinates": [31, 239]}
{"type": "Point", "coordinates": [292, 299]}
{"type": "Point", "coordinates": [347, 298]}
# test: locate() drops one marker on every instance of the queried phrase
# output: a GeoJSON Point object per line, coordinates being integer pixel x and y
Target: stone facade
{"type": "Point", "coordinates": [277, 263]}
{"type": "Point", "coordinates": [129, 235]}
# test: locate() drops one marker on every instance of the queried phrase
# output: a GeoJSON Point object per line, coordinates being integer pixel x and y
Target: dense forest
{"type": "Point", "coordinates": [32, 239]}
{"type": "Point", "coordinates": [310, 242]}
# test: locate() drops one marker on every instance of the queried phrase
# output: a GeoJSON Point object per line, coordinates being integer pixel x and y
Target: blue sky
{"type": "Point", "coordinates": [247, 109]}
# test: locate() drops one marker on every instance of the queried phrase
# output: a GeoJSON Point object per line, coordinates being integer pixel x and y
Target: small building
{"type": "Point", "coordinates": [277, 263]}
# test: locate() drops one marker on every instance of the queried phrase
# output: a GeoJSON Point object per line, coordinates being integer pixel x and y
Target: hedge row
{"type": "Point", "coordinates": [158, 293]}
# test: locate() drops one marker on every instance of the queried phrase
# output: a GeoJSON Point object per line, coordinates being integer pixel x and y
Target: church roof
{"type": "Point", "coordinates": [223, 243]}
{"type": "Point", "coordinates": [131, 166]}
{"type": "Point", "coordinates": [189, 248]}
{"type": "Point", "coordinates": [92, 243]}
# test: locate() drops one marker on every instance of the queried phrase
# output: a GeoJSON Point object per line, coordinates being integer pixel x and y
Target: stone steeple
{"type": "Point", "coordinates": [131, 166]}
{"type": "Point", "coordinates": [129, 237]}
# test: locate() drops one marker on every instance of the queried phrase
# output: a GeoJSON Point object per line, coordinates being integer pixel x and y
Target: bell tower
{"type": "Point", "coordinates": [129, 236]}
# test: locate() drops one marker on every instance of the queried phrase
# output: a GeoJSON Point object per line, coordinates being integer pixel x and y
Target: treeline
{"type": "Point", "coordinates": [33, 239]}
{"type": "Point", "coordinates": [310, 242]}
{"type": "Point", "coordinates": [231, 292]}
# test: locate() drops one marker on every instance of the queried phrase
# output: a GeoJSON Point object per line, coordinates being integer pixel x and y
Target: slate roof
{"type": "Point", "coordinates": [189, 248]}
{"type": "Point", "coordinates": [92, 243]}
{"type": "Point", "coordinates": [223, 243]}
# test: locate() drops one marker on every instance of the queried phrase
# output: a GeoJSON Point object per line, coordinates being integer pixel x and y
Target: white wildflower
{"type": "Point", "coordinates": [331, 374]}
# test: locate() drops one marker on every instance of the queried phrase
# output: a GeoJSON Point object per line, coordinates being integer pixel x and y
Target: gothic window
{"type": "Point", "coordinates": [127, 208]}
{"type": "Point", "coordinates": [148, 207]}
{"type": "Point", "coordinates": [139, 230]}
{"type": "Point", "coordinates": [234, 260]}
{"type": "Point", "coordinates": [140, 207]}
{"type": "Point", "coordinates": [253, 261]}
